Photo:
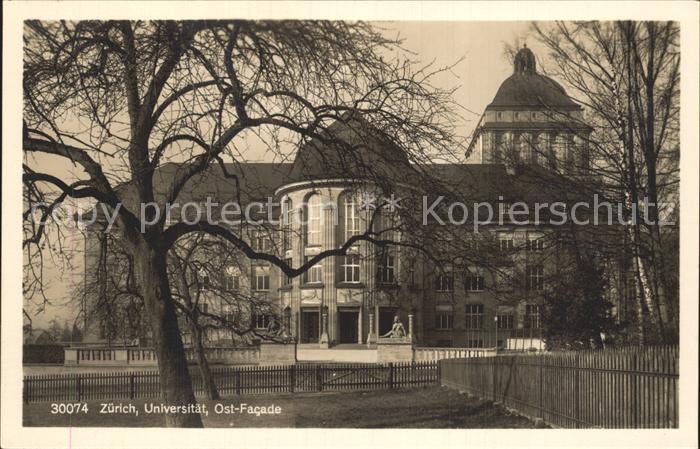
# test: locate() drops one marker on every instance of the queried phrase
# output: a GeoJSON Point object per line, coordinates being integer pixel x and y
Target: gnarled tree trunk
{"type": "Point", "coordinates": [175, 381]}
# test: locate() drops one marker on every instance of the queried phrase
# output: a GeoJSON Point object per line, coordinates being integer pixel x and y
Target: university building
{"type": "Point", "coordinates": [529, 128]}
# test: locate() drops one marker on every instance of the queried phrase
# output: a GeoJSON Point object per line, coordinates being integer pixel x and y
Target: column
{"type": "Point", "coordinates": [297, 246]}
{"type": "Point", "coordinates": [410, 326]}
{"type": "Point", "coordinates": [329, 291]}
{"type": "Point", "coordinates": [359, 325]}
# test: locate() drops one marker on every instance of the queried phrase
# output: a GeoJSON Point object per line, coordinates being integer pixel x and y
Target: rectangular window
{"type": "Point", "coordinates": [204, 307]}
{"type": "Point", "coordinates": [475, 316]}
{"type": "Point", "coordinates": [387, 270]}
{"type": "Point", "coordinates": [444, 282]}
{"type": "Point", "coordinates": [504, 321]}
{"type": "Point", "coordinates": [232, 282]}
{"type": "Point", "coordinates": [534, 244]}
{"type": "Point", "coordinates": [532, 316]}
{"type": "Point", "coordinates": [261, 280]}
{"type": "Point", "coordinates": [474, 280]}
{"type": "Point", "coordinates": [260, 242]}
{"type": "Point", "coordinates": [314, 274]}
{"type": "Point", "coordinates": [287, 281]}
{"type": "Point", "coordinates": [444, 321]}
{"type": "Point", "coordinates": [261, 321]}
{"type": "Point", "coordinates": [475, 343]}
{"type": "Point", "coordinates": [505, 241]}
{"type": "Point", "coordinates": [350, 268]}
{"type": "Point", "coordinates": [535, 277]}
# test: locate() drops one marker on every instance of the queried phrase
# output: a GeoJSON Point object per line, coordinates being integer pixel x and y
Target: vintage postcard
{"type": "Point", "coordinates": [342, 224]}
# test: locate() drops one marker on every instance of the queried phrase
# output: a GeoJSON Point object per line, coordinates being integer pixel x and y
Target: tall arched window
{"type": "Point", "coordinates": [540, 148]}
{"type": "Point", "coordinates": [498, 147]}
{"type": "Point", "coordinates": [313, 219]}
{"type": "Point", "coordinates": [560, 149]}
{"type": "Point", "coordinates": [351, 215]}
{"type": "Point", "coordinates": [287, 220]}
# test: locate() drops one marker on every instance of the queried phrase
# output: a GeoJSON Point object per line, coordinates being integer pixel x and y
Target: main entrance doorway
{"type": "Point", "coordinates": [347, 322]}
{"type": "Point", "coordinates": [386, 319]}
{"type": "Point", "coordinates": [309, 326]}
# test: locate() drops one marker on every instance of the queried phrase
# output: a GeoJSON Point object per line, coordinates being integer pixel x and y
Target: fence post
{"type": "Point", "coordinates": [132, 385]}
{"type": "Point", "coordinates": [78, 388]}
{"type": "Point", "coordinates": [577, 391]}
{"type": "Point", "coordinates": [494, 369]}
{"type": "Point", "coordinates": [541, 380]}
{"type": "Point", "coordinates": [25, 390]}
{"type": "Point", "coordinates": [319, 380]}
{"type": "Point", "coordinates": [439, 372]}
{"type": "Point", "coordinates": [237, 379]}
{"type": "Point", "coordinates": [292, 378]}
{"type": "Point", "coordinates": [635, 389]}
{"type": "Point", "coordinates": [391, 376]}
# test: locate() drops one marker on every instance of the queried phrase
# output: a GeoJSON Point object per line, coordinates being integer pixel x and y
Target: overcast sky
{"type": "Point", "coordinates": [484, 66]}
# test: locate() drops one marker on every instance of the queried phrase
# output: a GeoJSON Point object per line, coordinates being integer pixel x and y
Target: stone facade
{"type": "Point", "coordinates": [353, 299]}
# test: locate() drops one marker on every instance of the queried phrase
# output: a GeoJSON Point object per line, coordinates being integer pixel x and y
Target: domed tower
{"type": "Point", "coordinates": [531, 120]}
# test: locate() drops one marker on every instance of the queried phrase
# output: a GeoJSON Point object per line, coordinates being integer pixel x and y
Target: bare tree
{"type": "Point", "coordinates": [120, 99]}
{"type": "Point", "coordinates": [211, 298]}
{"type": "Point", "coordinates": [627, 76]}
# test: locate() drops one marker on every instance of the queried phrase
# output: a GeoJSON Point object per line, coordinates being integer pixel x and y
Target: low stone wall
{"type": "Point", "coordinates": [278, 353]}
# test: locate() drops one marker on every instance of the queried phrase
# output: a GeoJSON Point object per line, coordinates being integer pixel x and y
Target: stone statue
{"type": "Point", "coordinates": [273, 327]}
{"type": "Point", "coordinates": [397, 330]}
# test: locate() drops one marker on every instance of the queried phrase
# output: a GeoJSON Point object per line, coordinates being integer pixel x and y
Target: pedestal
{"type": "Point", "coordinates": [371, 336]}
{"type": "Point", "coordinates": [272, 353]}
{"type": "Point", "coordinates": [70, 356]}
{"type": "Point", "coordinates": [324, 342]}
{"type": "Point", "coordinates": [394, 350]}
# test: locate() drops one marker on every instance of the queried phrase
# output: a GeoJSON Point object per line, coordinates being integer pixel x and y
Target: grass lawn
{"type": "Point", "coordinates": [433, 407]}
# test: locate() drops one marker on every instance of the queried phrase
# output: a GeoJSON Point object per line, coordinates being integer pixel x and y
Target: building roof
{"type": "Point", "coordinates": [354, 150]}
{"type": "Point", "coordinates": [350, 148]}
{"type": "Point", "coordinates": [254, 181]}
{"type": "Point", "coordinates": [528, 89]}
{"type": "Point", "coordinates": [494, 182]}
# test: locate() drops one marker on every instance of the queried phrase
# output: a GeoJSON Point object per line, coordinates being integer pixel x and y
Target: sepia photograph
{"type": "Point", "coordinates": [234, 222]}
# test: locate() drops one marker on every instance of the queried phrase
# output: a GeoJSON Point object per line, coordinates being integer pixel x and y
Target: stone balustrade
{"type": "Point", "coordinates": [431, 354]}
{"type": "Point", "coordinates": [136, 356]}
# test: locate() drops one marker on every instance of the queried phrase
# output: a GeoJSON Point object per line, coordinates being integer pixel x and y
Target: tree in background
{"type": "Point", "coordinates": [577, 311]}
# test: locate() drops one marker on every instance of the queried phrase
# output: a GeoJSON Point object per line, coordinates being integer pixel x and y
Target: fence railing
{"type": "Point", "coordinates": [618, 388]}
{"type": "Point", "coordinates": [234, 380]}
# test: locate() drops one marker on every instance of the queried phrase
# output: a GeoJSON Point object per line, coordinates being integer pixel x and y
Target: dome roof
{"type": "Point", "coordinates": [528, 89]}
